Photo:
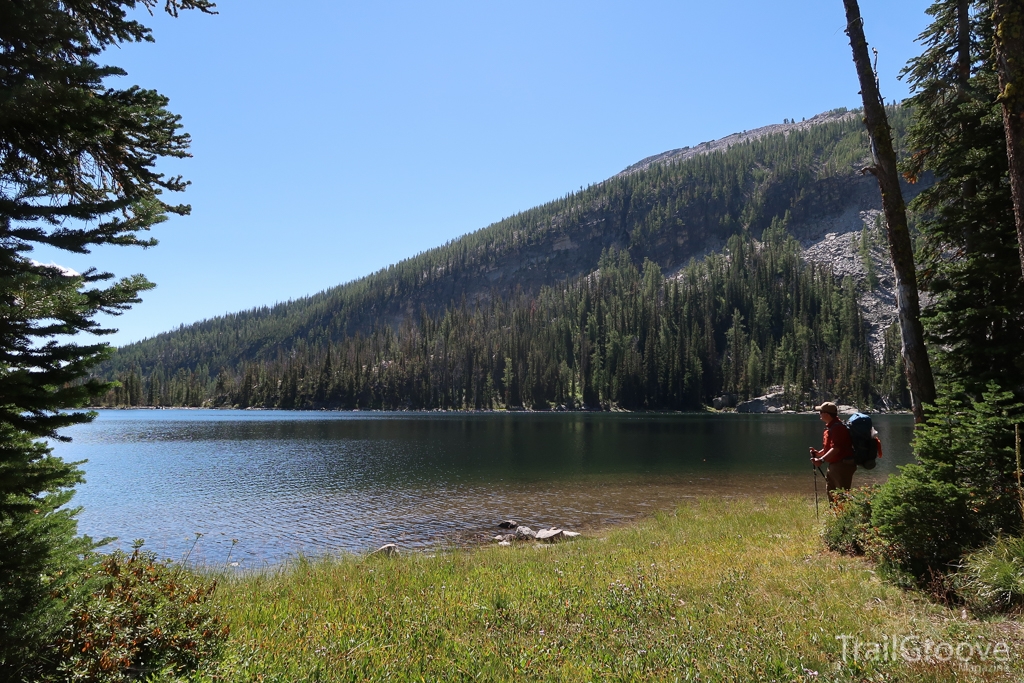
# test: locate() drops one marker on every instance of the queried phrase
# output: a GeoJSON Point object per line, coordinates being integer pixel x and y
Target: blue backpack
{"type": "Point", "coordinates": [866, 446]}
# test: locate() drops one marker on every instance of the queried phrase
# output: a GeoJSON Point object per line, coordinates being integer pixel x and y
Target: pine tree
{"type": "Point", "coordinates": [77, 161]}
{"type": "Point", "coordinates": [968, 235]}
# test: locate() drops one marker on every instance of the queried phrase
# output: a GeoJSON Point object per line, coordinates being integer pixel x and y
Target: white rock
{"type": "Point", "coordinates": [388, 549]}
{"type": "Point", "coordinates": [525, 532]}
{"type": "Point", "coordinates": [549, 535]}
{"type": "Point", "coordinates": [769, 403]}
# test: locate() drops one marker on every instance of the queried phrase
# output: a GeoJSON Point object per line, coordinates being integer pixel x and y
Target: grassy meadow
{"type": "Point", "coordinates": [717, 590]}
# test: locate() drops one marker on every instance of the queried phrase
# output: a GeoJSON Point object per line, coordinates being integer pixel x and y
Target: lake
{"type": "Point", "coordinates": [281, 483]}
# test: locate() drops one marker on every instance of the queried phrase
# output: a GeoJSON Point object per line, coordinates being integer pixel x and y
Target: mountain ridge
{"type": "Point", "coordinates": [723, 143]}
{"type": "Point", "coordinates": [669, 209]}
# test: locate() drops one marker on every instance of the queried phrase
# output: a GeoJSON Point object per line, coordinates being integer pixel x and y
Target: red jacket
{"type": "Point", "coordinates": [837, 436]}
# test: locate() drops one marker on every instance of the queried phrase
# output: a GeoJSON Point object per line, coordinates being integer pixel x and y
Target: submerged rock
{"type": "Point", "coordinates": [508, 524]}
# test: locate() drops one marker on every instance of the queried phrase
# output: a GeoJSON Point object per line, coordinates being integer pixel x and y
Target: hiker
{"type": "Point", "coordinates": [836, 450]}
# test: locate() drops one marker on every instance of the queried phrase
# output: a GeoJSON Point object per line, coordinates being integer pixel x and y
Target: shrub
{"type": "Point", "coordinates": [145, 617]}
{"type": "Point", "coordinates": [923, 525]}
{"type": "Point", "coordinates": [960, 495]}
{"type": "Point", "coordinates": [992, 579]}
{"type": "Point", "coordinates": [848, 523]}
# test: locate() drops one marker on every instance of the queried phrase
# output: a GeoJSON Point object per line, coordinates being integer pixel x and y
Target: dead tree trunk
{"type": "Point", "coordinates": [915, 355]}
{"type": "Point", "coordinates": [1009, 43]}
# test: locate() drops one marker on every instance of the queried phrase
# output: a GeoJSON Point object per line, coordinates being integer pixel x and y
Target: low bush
{"type": "Point", "coordinates": [992, 579]}
{"type": "Point", "coordinates": [960, 495]}
{"type": "Point", "coordinates": [145, 617]}
{"type": "Point", "coordinates": [923, 525]}
{"type": "Point", "coordinates": [848, 523]}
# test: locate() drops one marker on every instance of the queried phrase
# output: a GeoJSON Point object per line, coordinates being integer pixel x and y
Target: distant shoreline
{"type": "Point", "coordinates": [530, 411]}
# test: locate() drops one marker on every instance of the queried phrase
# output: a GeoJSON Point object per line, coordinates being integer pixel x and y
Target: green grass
{"type": "Point", "coordinates": [719, 590]}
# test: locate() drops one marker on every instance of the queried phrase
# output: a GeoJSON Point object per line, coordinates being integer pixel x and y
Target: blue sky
{"type": "Point", "coordinates": [333, 138]}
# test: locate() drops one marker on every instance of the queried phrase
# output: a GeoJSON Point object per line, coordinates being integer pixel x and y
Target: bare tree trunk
{"type": "Point", "coordinates": [1009, 40]}
{"type": "Point", "coordinates": [915, 355]}
{"type": "Point", "coordinates": [963, 80]}
{"type": "Point", "coordinates": [963, 43]}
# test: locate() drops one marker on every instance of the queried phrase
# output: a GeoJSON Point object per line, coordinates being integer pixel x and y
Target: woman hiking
{"type": "Point", "coordinates": [836, 450]}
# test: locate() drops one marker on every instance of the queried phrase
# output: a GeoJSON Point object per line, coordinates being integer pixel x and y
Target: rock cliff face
{"type": "Point", "coordinates": [854, 246]}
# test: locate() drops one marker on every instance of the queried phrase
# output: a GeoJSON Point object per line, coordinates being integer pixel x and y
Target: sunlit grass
{"type": "Point", "coordinates": [720, 590]}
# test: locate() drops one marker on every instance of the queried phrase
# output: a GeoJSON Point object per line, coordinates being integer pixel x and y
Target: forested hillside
{"type": "Point", "coordinates": [568, 303]}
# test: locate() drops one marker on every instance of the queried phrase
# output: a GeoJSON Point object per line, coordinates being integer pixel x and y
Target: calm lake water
{"type": "Point", "coordinates": [284, 483]}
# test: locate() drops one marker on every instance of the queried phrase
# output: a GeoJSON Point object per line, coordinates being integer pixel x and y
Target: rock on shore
{"type": "Point", "coordinates": [525, 533]}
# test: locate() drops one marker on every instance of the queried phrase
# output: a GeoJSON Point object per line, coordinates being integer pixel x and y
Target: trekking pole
{"type": "Point", "coordinates": [814, 470]}
{"type": "Point", "coordinates": [1020, 489]}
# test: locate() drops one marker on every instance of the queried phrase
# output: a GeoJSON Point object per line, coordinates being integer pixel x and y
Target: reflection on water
{"type": "Point", "coordinates": [288, 482]}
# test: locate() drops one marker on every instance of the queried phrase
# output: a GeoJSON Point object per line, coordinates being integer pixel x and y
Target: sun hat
{"type": "Point", "coordinates": [828, 407]}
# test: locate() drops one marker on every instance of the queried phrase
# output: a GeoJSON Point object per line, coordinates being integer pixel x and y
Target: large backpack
{"type": "Point", "coordinates": [866, 446]}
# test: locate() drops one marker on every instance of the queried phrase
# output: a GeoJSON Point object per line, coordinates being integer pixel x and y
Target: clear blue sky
{"type": "Point", "coordinates": [332, 138]}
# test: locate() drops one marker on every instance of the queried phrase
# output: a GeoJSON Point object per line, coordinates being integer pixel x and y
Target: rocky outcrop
{"type": "Point", "coordinates": [724, 401]}
{"type": "Point", "coordinates": [769, 403]}
{"type": "Point", "coordinates": [774, 402]}
{"type": "Point", "coordinates": [853, 245]}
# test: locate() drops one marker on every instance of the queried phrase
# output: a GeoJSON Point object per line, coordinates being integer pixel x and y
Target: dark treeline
{"type": "Point", "coordinates": [737, 322]}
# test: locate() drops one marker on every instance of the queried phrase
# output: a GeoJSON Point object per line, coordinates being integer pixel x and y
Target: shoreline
{"type": "Point", "coordinates": [350, 490]}
{"type": "Point", "coordinates": [526, 411]}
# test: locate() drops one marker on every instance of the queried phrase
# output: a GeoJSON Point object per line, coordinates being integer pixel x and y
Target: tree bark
{"type": "Point", "coordinates": [963, 43]}
{"type": "Point", "coordinates": [1008, 16]}
{"type": "Point", "coordinates": [915, 355]}
{"type": "Point", "coordinates": [963, 81]}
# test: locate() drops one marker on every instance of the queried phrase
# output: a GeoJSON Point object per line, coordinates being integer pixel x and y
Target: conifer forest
{"type": "Point", "coordinates": [685, 284]}
{"type": "Point", "coordinates": [735, 322]}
